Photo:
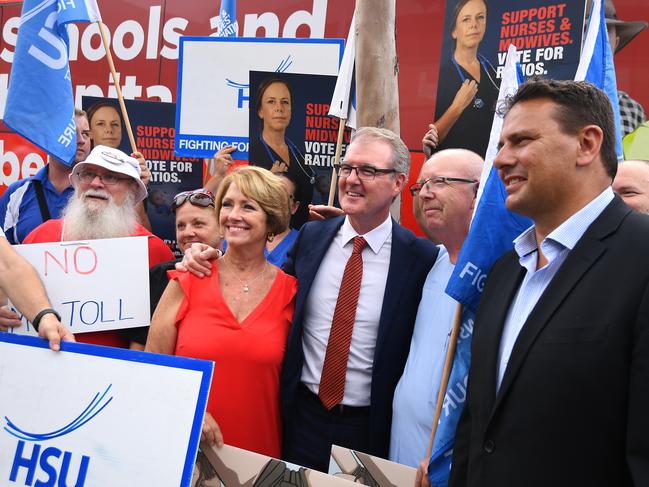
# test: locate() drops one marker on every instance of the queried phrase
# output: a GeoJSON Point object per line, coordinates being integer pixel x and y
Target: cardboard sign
{"type": "Point", "coordinates": [94, 416]}
{"type": "Point", "coordinates": [365, 469]}
{"type": "Point", "coordinates": [95, 285]}
{"type": "Point", "coordinates": [214, 91]}
{"type": "Point", "coordinates": [233, 467]}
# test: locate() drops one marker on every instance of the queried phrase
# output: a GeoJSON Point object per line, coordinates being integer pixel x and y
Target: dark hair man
{"type": "Point", "coordinates": [558, 388]}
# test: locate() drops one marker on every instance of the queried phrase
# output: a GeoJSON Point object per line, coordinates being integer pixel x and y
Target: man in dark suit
{"type": "Point", "coordinates": [558, 389]}
{"type": "Point", "coordinates": [394, 267]}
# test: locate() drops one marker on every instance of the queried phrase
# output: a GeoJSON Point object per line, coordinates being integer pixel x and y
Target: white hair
{"type": "Point", "coordinates": [83, 219]}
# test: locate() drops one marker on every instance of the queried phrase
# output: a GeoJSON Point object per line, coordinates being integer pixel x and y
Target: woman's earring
{"type": "Point", "coordinates": [270, 237]}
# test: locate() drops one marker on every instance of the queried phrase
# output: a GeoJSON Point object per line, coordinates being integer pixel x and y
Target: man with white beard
{"type": "Point", "coordinates": [107, 189]}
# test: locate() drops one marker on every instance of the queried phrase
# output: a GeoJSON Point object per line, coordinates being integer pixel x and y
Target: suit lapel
{"type": "Point", "coordinates": [318, 244]}
{"type": "Point", "coordinates": [498, 303]}
{"type": "Point", "coordinates": [398, 273]}
{"type": "Point", "coordinates": [586, 253]}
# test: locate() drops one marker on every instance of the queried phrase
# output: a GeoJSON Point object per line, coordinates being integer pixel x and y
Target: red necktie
{"type": "Point", "coordinates": [334, 370]}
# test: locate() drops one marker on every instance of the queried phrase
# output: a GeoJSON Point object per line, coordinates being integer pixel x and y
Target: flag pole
{"type": "Point", "coordinates": [339, 148]}
{"type": "Point", "coordinates": [448, 366]}
{"type": "Point", "coordinates": [120, 97]}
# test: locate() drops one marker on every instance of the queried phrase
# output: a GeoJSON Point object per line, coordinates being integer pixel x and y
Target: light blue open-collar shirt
{"type": "Point", "coordinates": [555, 247]}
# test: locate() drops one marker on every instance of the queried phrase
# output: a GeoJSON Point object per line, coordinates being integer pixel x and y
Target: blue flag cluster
{"type": "Point", "coordinates": [40, 105]}
{"type": "Point", "coordinates": [601, 71]}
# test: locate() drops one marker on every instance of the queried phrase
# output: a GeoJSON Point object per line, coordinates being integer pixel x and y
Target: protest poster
{"type": "Point", "coordinates": [95, 285]}
{"type": "Point", "coordinates": [230, 466]}
{"type": "Point", "coordinates": [154, 131]}
{"type": "Point", "coordinates": [98, 416]}
{"type": "Point", "coordinates": [365, 469]}
{"type": "Point", "coordinates": [214, 89]}
{"type": "Point", "coordinates": [311, 133]}
{"type": "Point", "coordinates": [547, 34]}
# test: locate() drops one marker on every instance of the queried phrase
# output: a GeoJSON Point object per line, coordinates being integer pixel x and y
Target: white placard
{"type": "Point", "coordinates": [95, 285]}
{"type": "Point", "coordinates": [98, 416]}
{"type": "Point", "coordinates": [213, 85]}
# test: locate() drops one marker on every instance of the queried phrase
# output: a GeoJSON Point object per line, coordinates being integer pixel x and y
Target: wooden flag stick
{"type": "Point", "coordinates": [120, 97]}
{"type": "Point", "coordinates": [448, 366]}
{"type": "Point", "coordinates": [339, 148]}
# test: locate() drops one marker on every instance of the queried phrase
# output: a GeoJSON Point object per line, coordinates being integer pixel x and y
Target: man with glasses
{"type": "Point", "coordinates": [107, 189]}
{"type": "Point", "coordinates": [360, 279]}
{"type": "Point", "coordinates": [445, 191]}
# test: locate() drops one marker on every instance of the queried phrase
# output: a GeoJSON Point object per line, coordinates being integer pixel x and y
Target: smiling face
{"type": "Point", "coordinates": [367, 203]}
{"type": "Point", "coordinates": [106, 127]}
{"type": "Point", "coordinates": [537, 162]}
{"type": "Point", "coordinates": [632, 184]}
{"type": "Point", "coordinates": [470, 25]}
{"type": "Point", "coordinates": [275, 107]}
{"type": "Point", "coordinates": [195, 224]}
{"type": "Point", "coordinates": [97, 194]}
{"type": "Point", "coordinates": [242, 220]}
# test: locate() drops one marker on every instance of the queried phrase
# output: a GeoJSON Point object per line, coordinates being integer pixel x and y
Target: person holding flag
{"type": "Point", "coordinates": [558, 387]}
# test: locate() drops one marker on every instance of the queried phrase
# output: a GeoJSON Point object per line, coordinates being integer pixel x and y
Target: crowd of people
{"type": "Point", "coordinates": [337, 333]}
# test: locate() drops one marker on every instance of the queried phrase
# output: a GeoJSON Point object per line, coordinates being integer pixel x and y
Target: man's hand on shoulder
{"type": "Point", "coordinates": [324, 212]}
{"type": "Point", "coordinates": [197, 259]}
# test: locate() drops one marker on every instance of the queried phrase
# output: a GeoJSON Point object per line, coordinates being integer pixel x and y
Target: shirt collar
{"type": "Point", "coordinates": [375, 238]}
{"type": "Point", "coordinates": [569, 232]}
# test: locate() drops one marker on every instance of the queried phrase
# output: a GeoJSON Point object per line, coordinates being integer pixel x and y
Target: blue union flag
{"type": "Point", "coordinates": [40, 105]}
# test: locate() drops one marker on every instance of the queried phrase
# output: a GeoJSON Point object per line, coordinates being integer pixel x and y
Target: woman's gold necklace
{"type": "Point", "coordinates": [245, 286]}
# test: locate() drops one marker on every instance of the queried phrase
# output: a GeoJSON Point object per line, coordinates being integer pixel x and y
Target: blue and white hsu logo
{"type": "Point", "coordinates": [39, 462]}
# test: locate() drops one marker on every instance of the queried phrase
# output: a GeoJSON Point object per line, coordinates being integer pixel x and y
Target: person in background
{"type": "Point", "coordinates": [272, 149]}
{"type": "Point", "coordinates": [106, 124]}
{"type": "Point", "coordinates": [29, 202]}
{"type": "Point", "coordinates": [277, 248]}
{"type": "Point", "coordinates": [196, 222]}
{"type": "Point", "coordinates": [620, 33]}
{"type": "Point", "coordinates": [239, 316]}
{"type": "Point", "coordinates": [107, 189]}
{"type": "Point", "coordinates": [632, 184]}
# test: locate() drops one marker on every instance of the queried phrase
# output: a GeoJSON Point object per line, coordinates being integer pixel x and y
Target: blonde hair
{"type": "Point", "coordinates": [265, 188]}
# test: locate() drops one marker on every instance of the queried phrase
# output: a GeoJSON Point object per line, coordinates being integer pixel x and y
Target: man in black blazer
{"type": "Point", "coordinates": [395, 265]}
{"type": "Point", "coordinates": [558, 391]}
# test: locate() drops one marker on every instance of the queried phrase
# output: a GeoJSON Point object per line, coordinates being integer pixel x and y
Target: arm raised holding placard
{"type": "Point", "coordinates": [21, 283]}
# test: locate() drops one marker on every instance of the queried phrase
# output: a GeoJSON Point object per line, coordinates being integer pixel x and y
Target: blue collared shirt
{"type": "Point", "coordinates": [555, 247]}
{"type": "Point", "coordinates": [19, 210]}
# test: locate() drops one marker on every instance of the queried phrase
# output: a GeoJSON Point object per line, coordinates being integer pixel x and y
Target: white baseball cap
{"type": "Point", "coordinates": [113, 160]}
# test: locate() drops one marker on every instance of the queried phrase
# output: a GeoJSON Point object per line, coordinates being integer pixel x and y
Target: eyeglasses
{"type": "Point", "coordinates": [437, 184]}
{"type": "Point", "coordinates": [364, 172]}
{"type": "Point", "coordinates": [198, 197]}
{"type": "Point", "coordinates": [108, 179]}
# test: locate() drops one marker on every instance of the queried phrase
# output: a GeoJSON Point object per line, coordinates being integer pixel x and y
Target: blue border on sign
{"type": "Point", "coordinates": [181, 50]}
{"type": "Point", "coordinates": [204, 366]}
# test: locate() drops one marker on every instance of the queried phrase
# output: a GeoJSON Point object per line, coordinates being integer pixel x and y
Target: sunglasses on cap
{"type": "Point", "coordinates": [198, 197]}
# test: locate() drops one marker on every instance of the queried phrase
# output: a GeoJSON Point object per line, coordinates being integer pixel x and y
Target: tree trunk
{"type": "Point", "coordinates": [377, 68]}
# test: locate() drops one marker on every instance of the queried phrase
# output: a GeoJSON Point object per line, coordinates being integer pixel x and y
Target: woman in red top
{"type": "Point", "coordinates": [238, 316]}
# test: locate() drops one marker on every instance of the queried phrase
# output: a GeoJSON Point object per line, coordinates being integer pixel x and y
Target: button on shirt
{"type": "Point", "coordinates": [321, 303]}
{"type": "Point", "coordinates": [555, 247]}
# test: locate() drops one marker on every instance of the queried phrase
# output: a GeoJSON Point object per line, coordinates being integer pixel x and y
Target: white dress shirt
{"type": "Point", "coordinates": [556, 247]}
{"type": "Point", "coordinates": [321, 303]}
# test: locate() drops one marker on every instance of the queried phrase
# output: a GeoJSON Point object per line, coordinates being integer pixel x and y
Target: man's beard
{"type": "Point", "coordinates": [86, 219]}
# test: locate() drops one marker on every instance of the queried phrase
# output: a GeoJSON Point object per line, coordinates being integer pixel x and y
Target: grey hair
{"type": "Point", "coordinates": [400, 153]}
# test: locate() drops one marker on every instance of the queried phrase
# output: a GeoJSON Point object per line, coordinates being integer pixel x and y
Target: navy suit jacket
{"type": "Point", "coordinates": [410, 260]}
{"type": "Point", "coordinates": [573, 406]}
